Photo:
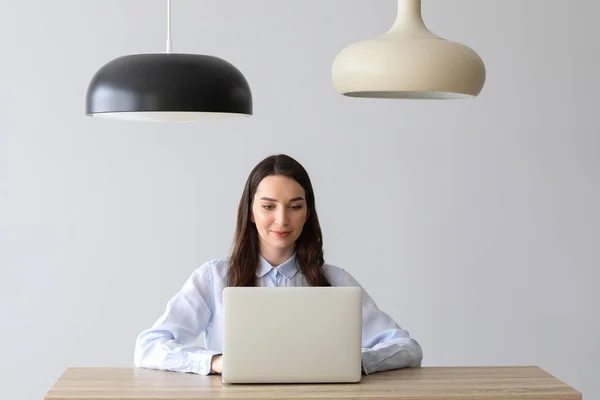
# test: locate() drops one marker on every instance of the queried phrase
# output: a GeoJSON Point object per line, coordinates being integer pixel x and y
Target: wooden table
{"type": "Point", "coordinates": [427, 383]}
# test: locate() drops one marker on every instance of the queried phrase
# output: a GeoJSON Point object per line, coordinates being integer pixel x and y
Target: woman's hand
{"type": "Point", "coordinates": [217, 364]}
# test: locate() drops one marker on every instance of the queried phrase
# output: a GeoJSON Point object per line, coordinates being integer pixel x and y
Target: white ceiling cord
{"type": "Point", "coordinates": [168, 26]}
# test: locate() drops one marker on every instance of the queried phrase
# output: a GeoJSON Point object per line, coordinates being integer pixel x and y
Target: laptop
{"type": "Point", "coordinates": [292, 334]}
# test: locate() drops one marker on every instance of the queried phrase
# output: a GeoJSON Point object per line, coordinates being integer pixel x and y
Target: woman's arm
{"type": "Point", "coordinates": [165, 345]}
{"type": "Point", "coordinates": [385, 345]}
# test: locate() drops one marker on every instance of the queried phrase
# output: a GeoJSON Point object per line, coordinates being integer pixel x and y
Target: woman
{"type": "Point", "coordinates": [277, 242]}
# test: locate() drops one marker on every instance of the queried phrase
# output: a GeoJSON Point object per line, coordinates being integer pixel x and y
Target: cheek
{"type": "Point", "coordinates": [299, 219]}
{"type": "Point", "coordinates": [261, 218]}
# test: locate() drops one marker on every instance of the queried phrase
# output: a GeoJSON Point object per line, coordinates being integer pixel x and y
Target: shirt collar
{"type": "Point", "coordinates": [288, 268]}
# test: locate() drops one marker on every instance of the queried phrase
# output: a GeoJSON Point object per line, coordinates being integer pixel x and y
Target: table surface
{"type": "Point", "coordinates": [426, 383]}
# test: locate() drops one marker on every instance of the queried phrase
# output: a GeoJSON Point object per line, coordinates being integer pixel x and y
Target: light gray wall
{"type": "Point", "coordinates": [473, 223]}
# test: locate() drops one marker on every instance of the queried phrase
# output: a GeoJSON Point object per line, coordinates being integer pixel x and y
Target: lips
{"type": "Point", "coordinates": [281, 234]}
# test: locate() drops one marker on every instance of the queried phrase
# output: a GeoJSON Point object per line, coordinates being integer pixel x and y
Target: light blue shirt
{"type": "Point", "coordinates": [198, 310]}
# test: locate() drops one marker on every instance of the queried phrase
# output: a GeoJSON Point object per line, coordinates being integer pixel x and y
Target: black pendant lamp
{"type": "Point", "coordinates": [168, 87]}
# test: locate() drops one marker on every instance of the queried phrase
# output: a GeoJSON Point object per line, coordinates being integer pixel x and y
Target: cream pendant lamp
{"type": "Point", "coordinates": [408, 62]}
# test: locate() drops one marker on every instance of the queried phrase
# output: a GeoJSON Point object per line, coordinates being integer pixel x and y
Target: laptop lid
{"type": "Point", "coordinates": [292, 334]}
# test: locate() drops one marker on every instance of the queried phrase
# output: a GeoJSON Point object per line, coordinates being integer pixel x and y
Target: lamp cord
{"type": "Point", "coordinates": [168, 26]}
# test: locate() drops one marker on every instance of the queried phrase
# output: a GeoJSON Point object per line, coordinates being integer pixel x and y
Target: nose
{"type": "Point", "coordinates": [282, 217]}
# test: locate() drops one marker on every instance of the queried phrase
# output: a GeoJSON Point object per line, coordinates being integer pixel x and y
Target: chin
{"type": "Point", "coordinates": [282, 245]}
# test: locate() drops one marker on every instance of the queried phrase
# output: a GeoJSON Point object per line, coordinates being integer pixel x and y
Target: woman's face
{"type": "Point", "coordinates": [279, 212]}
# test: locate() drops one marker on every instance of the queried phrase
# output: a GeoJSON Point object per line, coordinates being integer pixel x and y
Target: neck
{"type": "Point", "coordinates": [276, 256]}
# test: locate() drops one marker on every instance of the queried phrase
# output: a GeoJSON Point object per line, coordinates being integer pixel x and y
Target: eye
{"type": "Point", "coordinates": [267, 206]}
{"type": "Point", "coordinates": [296, 207]}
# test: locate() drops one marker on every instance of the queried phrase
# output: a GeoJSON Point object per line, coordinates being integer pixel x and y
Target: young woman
{"type": "Point", "coordinates": [277, 242]}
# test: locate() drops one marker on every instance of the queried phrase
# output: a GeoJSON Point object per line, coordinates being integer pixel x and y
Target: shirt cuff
{"type": "Point", "coordinates": [368, 361]}
{"type": "Point", "coordinates": [200, 363]}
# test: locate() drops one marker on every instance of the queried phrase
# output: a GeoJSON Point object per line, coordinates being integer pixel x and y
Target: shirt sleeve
{"type": "Point", "coordinates": [385, 345]}
{"type": "Point", "coordinates": [166, 345]}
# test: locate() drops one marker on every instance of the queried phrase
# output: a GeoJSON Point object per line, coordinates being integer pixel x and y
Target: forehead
{"type": "Point", "coordinates": [277, 186]}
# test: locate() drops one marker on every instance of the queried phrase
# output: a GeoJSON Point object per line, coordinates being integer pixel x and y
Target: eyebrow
{"type": "Point", "coordinates": [292, 200]}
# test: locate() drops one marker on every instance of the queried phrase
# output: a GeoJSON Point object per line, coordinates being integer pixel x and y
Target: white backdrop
{"type": "Point", "coordinates": [474, 223]}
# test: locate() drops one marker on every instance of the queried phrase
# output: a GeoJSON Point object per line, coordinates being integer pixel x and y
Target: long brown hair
{"type": "Point", "coordinates": [244, 258]}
